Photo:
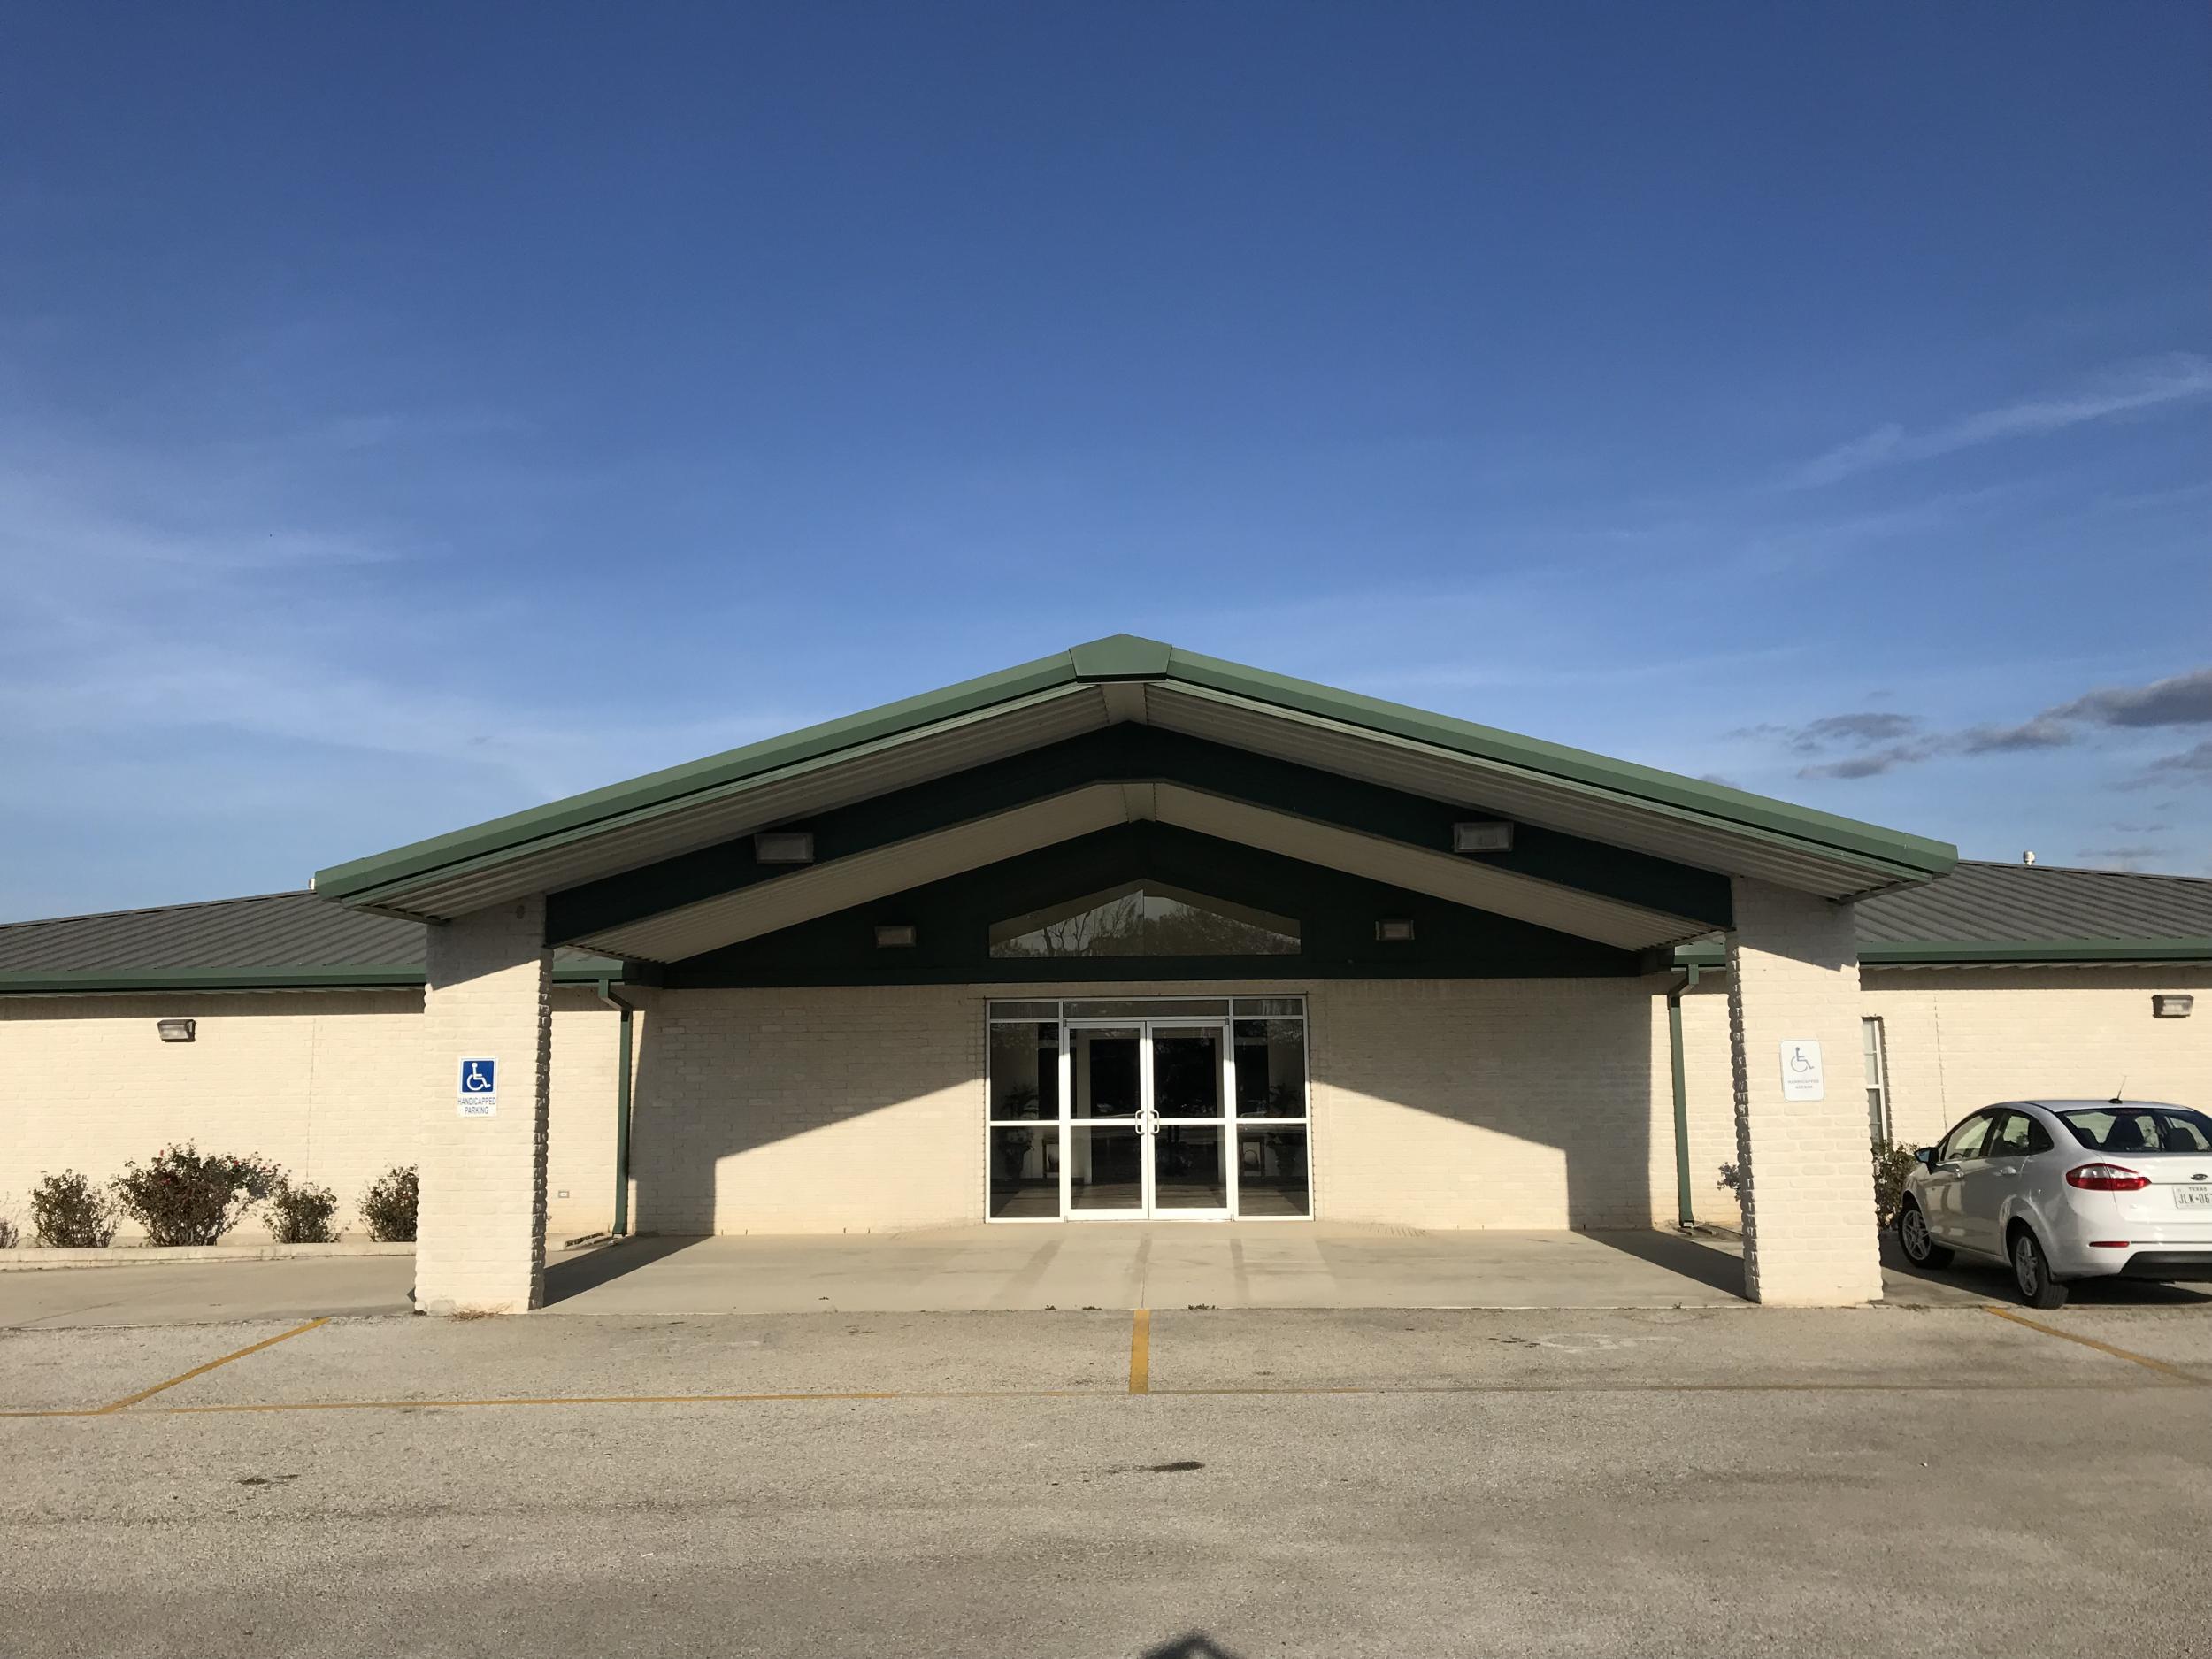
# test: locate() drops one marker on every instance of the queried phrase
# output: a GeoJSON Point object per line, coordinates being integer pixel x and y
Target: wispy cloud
{"type": "Point", "coordinates": [2163, 381]}
{"type": "Point", "coordinates": [2178, 700]}
{"type": "Point", "coordinates": [1875, 742]}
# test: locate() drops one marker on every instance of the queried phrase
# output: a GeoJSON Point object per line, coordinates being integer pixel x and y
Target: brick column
{"type": "Point", "coordinates": [480, 1238]}
{"type": "Point", "coordinates": [1808, 1187]}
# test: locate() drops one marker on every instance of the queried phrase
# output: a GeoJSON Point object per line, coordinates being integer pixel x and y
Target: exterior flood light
{"type": "Point", "coordinates": [1487, 836]}
{"type": "Point", "coordinates": [1395, 930]}
{"type": "Point", "coordinates": [894, 935]}
{"type": "Point", "coordinates": [784, 847]}
{"type": "Point", "coordinates": [176, 1030]}
{"type": "Point", "coordinates": [2172, 1005]}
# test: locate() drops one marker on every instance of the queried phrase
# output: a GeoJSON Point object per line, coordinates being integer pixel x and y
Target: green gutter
{"type": "Point", "coordinates": [621, 1109]}
{"type": "Point", "coordinates": [1969, 952]}
{"type": "Point", "coordinates": [370, 977]}
{"type": "Point", "coordinates": [1683, 1210]}
{"type": "Point", "coordinates": [1940, 951]}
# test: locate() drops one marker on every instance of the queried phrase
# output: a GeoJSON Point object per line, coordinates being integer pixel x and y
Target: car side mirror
{"type": "Point", "coordinates": [1926, 1157]}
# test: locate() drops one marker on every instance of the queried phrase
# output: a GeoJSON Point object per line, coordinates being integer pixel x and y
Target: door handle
{"type": "Point", "coordinates": [2009, 1169]}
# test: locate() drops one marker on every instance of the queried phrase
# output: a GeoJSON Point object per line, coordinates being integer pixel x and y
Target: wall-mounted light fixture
{"type": "Point", "coordinates": [1395, 930]}
{"type": "Point", "coordinates": [1489, 835]}
{"type": "Point", "coordinates": [894, 935]}
{"type": "Point", "coordinates": [2172, 1005]}
{"type": "Point", "coordinates": [176, 1030]}
{"type": "Point", "coordinates": [784, 847]}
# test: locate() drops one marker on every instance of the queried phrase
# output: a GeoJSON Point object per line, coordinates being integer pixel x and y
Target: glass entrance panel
{"type": "Point", "coordinates": [1106, 1168]}
{"type": "Point", "coordinates": [1106, 1140]}
{"type": "Point", "coordinates": [1190, 1165]}
{"type": "Point", "coordinates": [1104, 1073]}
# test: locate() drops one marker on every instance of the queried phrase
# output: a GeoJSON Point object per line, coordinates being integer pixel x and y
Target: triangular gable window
{"type": "Point", "coordinates": [1145, 918]}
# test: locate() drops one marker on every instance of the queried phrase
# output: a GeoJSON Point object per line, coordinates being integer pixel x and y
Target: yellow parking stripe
{"type": "Point", "coordinates": [1141, 1352]}
{"type": "Point", "coordinates": [202, 1370]}
{"type": "Point", "coordinates": [2145, 1360]}
{"type": "Point", "coordinates": [1295, 1391]}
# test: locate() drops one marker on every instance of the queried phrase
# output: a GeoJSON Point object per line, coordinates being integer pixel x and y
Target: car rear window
{"type": "Point", "coordinates": [2139, 1128]}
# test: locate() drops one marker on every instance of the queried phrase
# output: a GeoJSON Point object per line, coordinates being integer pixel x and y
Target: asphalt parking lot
{"type": "Point", "coordinates": [1174, 1482]}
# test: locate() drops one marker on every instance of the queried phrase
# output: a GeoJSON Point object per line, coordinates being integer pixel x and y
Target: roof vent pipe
{"type": "Point", "coordinates": [2027, 858]}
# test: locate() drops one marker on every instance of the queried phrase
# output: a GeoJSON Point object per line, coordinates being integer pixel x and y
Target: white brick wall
{"type": "Point", "coordinates": [1443, 1104]}
{"type": "Point", "coordinates": [322, 1082]}
{"type": "Point", "coordinates": [829, 1110]}
{"type": "Point", "coordinates": [1509, 1103]}
{"type": "Point", "coordinates": [1808, 1205]}
{"type": "Point", "coordinates": [481, 1245]}
{"type": "Point", "coordinates": [1964, 1037]}
{"type": "Point", "coordinates": [1446, 1103]}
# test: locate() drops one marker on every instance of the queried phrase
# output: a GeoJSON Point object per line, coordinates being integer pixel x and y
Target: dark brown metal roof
{"type": "Point", "coordinates": [257, 940]}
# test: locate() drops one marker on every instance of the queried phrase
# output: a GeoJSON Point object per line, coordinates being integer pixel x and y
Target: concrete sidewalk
{"type": "Point", "coordinates": [1236, 1265]}
{"type": "Point", "coordinates": [1167, 1266]}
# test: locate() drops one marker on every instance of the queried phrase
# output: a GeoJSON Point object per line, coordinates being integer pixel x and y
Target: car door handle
{"type": "Point", "coordinates": [2009, 1169]}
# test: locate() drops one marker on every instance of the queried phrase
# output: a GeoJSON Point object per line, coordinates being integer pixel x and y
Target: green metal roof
{"type": "Point", "coordinates": [1883, 856]}
{"type": "Point", "coordinates": [271, 940]}
{"type": "Point", "coordinates": [1991, 913]}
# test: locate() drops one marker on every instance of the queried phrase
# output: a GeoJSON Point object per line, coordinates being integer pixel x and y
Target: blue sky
{"type": "Point", "coordinates": [408, 416]}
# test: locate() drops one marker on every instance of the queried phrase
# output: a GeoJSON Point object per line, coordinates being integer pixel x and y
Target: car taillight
{"type": "Point", "coordinates": [2107, 1178]}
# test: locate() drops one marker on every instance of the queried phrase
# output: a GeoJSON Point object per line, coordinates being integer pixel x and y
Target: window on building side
{"type": "Point", "coordinates": [1876, 1076]}
{"type": "Point", "coordinates": [1145, 918]}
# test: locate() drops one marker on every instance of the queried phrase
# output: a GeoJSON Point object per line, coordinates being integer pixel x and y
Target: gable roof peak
{"type": "Point", "coordinates": [1122, 657]}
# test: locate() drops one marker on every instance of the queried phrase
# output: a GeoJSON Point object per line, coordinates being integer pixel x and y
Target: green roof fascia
{"type": "Point", "coordinates": [1892, 855]}
{"type": "Point", "coordinates": [370, 977]}
{"type": "Point", "coordinates": [660, 788]}
{"type": "Point", "coordinates": [1966, 953]}
{"type": "Point", "coordinates": [1915, 856]}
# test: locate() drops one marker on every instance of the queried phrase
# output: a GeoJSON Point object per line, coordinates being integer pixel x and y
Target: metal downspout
{"type": "Point", "coordinates": [622, 1108]}
{"type": "Point", "coordinates": [1681, 1098]}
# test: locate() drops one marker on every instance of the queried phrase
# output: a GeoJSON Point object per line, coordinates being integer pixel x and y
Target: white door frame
{"type": "Point", "coordinates": [1146, 1126]}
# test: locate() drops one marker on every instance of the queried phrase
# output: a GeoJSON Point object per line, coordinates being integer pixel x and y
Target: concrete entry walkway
{"type": "Point", "coordinates": [1237, 1264]}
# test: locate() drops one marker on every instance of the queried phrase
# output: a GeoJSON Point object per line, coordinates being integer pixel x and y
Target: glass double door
{"type": "Point", "coordinates": [1147, 1118]}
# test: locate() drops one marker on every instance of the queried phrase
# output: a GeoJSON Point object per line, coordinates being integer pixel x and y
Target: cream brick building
{"type": "Point", "coordinates": [1123, 933]}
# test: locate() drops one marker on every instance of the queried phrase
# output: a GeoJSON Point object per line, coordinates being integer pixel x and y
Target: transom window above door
{"type": "Point", "coordinates": [1145, 918]}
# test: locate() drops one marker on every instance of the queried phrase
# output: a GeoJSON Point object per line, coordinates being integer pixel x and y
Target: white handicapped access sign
{"type": "Point", "coordinates": [1801, 1075]}
{"type": "Point", "coordinates": [479, 1091]}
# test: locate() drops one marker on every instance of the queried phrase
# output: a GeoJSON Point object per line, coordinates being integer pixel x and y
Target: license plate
{"type": "Point", "coordinates": [2192, 1198]}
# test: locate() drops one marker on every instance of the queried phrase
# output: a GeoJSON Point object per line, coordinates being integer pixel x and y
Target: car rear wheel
{"type": "Point", "coordinates": [1919, 1244]}
{"type": "Point", "coordinates": [2032, 1272]}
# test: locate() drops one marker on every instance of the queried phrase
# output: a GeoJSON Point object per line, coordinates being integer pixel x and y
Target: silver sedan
{"type": "Point", "coordinates": [2066, 1189]}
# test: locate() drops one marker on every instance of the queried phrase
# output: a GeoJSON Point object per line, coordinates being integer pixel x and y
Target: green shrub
{"type": "Point", "coordinates": [183, 1196]}
{"type": "Point", "coordinates": [389, 1206]}
{"type": "Point", "coordinates": [69, 1213]}
{"type": "Point", "coordinates": [1893, 1162]}
{"type": "Point", "coordinates": [301, 1214]}
{"type": "Point", "coordinates": [10, 1235]}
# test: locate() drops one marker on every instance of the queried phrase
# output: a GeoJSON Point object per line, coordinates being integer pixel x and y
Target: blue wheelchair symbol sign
{"type": "Point", "coordinates": [480, 1087]}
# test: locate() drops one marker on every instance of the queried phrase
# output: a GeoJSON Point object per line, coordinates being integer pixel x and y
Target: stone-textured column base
{"type": "Point", "coordinates": [1807, 1190]}
{"type": "Point", "coordinates": [480, 1233]}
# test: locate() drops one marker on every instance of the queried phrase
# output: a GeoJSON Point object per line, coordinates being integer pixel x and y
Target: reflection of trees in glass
{"type": "Point", "coordinates": [1149, 922]}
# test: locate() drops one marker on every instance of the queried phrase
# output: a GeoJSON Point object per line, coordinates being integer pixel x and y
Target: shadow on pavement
{"type": "Point", "coordinates": [581, 1273]}
{"type": "Point", "coordinates": [1196, 1645]}
{"type": "Point", "coordinates": [1715, 1268]}
{"type": "Point", "coordinates": [1992, 1282]}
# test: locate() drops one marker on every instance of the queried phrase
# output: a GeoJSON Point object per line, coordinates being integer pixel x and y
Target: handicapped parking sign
{"type": "Point", "coordinates": [479, 1091]}
{"type": "Point", "coordinates": [1802, 1078]}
